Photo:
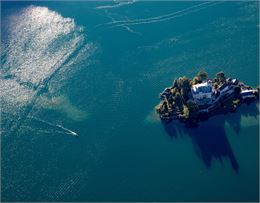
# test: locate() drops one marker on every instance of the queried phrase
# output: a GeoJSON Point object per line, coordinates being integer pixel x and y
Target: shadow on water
{"type": "Point", "coordinates": [210, 138]}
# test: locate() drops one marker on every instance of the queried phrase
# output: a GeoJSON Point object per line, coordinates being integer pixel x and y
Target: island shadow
{"type": "Point", "coordinates": [209, 137]}
{"type": "Point", "coordinates": [246, 110]}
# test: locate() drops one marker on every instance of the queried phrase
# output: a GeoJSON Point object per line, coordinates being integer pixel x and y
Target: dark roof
{"type": "Point", "coordinates": [223, 86]}
{"type": "Point", "coordinates": [229, 79]}
{"type": "Point", "coordinates": [247, 93]}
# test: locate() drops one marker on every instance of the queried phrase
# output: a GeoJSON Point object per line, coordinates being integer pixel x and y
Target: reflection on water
{"type": "Point", "coordinates": [40, 49]}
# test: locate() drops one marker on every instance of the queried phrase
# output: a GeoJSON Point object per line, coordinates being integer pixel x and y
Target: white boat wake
{"type": "Point", "coordinates": [166, 17]}
{"type": "Point", "coordinates": [65, 130]}
{"type": "Point", "coordinates": [117, 5]}
{"type": "Point", "coordinates": [158, 17]}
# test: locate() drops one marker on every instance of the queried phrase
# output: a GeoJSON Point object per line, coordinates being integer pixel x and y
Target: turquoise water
{"type": "Point", "coordinates": [95, 69]}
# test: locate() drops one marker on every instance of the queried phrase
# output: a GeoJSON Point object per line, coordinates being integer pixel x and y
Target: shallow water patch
{"type": "Point", "coordinates": [63, 105]}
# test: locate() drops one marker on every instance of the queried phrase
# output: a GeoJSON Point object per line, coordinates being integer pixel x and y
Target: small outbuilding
{"type": "Point", "coordinates": [247, 94]}
{"type": "Point", "coordinates": [223, 88]}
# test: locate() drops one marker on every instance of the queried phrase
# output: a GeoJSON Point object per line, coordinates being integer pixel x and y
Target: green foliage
{"type": "Point", "coordinates": [184, 84]}
{"type": "Point", "coordinates": [237, 90]}
{"type": "Point", "coordinates": [186, 112]}
{"type": "Point", "coordinates": [192, 106]}
{"type": "Point", "coordinates": [174, 90]}
{"type": "Point", "coordinates": [202, 75]}
{"type": "Point", "coordinates": [220, 76]}
{"type": "Point", "coordinates": [195, 80]}
{"type": "Point", "coordinates": [177, 99]}
{"type": "Point", "coordinates": [175, 83]}
{"type": "Point", "coordinates": [215, 85]}
{"type": "Point", "coordinates": [235, 102]}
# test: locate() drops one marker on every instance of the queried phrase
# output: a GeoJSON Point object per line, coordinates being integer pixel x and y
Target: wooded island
{"type": "Point", "coordinates": [191, 101]}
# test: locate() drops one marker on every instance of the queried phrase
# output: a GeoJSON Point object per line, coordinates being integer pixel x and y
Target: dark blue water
{"type": "Point", "coordinates": [79, 82]}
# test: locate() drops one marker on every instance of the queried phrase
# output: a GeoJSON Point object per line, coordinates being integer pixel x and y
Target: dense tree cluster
{"type": "Point", "coordinates": [177, 97]}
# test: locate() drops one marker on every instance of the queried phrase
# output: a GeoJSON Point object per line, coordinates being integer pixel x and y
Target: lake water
{"type": "Point", "coordinates": [95, 69]}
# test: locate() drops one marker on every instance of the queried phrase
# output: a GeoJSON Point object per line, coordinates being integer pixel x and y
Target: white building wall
{"type": "Point", "coordinates": [202, 95]}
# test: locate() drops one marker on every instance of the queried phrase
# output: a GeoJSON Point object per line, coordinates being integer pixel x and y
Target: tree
{"type": "Point", "coordinates": [158, 108]}
{"type": "Point", "coordinates": [175, 83]}
{"type": "Point", "coordinates": [235, 101]}
{"type": "Point", "coordinates": [186, 112]}
{"type": "Point", "coordinates": [173, 91]}
{"type": "Point", "coordinates": [170, 99]}
{"type": "Point", "coordinates": [195, 80]}
{"type": "Point", "coordinates": [202, 75]}
{"type": "Point", "coordinates": [220, 76]}
{"type": "Point", "coordinates": [237, 90]}
{"type": "Point", "coordinates": [179, 82]}
{"type": "Point", "coordinates": [215, 85]}
{"type": "Point", "coordinates": [164, 107]}
{"type": "Point", "coordinates": [184, 84]}
{"type": "Point", "coordinates": [192, 106]}
{"type": "Point", "coordinates": [177, 99]}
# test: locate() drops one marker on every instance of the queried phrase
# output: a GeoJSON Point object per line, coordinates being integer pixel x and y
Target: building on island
{"type": "Point", "coordinates": [235, 81]}
{"type": "Point", "coordinates": [223, 88]}
{"type": "Point", "coordinates": [247, 94]}
{"type": "Point", "coordinates": [194, 103]}
{"type": "Point", "coordinates": [202, 91]}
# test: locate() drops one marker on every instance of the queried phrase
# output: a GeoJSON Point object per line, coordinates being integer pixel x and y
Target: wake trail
{"type": "Point", "coordinates": [164, 19]}
{"type": "Point", "coordinates": [157, 17]}
{"type": "Point", "coordinates": [120, 4]}
{"type": "Point", "coordinates": [66, 130]}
